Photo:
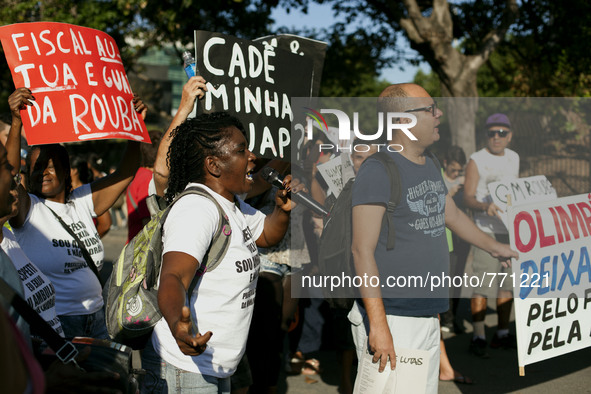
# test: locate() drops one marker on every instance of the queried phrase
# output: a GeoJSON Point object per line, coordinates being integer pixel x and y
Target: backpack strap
{"type": "Point", "coordinates": [221, 238]}
{"type": "Point", "coordinates": [430, 154]}
{"type": "Point", "coordinates": [395, 194]}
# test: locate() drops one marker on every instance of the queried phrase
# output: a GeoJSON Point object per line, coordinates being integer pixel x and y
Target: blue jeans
{"type": "Point", "coordinates": [162, 377]}
{"type": "Point", "coordinates": [92, 325]}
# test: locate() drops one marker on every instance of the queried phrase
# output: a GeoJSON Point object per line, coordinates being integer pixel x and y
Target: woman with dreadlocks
{"type": "Point", "coordinates": [198, 344]}
{"type": "Point", "coordinates": [51, 216]}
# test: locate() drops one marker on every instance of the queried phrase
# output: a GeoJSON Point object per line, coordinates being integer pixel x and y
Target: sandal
{"type": "Point", "coordinates": [311, 367]}
{"type": "Point", "coordinates": [295, 364]}
{"type": "Point", "coordinates": [459, 379]}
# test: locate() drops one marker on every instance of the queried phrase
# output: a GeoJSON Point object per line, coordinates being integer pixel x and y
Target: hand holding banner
{"type": "Point", "coordinates": [78, 80]}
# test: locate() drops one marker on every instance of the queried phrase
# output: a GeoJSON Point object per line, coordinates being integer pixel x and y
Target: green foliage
{"type": "Point", "coordinates": [430, 82]}
{"type": "Point", "coordinates": [352, 64]}
{"type": "Point", "coordinates": [547, 53]}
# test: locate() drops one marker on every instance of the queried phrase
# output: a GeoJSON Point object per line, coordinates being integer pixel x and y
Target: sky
{"type": "Point", "coordinates": [321, 16]}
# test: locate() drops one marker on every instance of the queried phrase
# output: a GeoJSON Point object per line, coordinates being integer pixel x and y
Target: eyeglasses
{"type": "Point", "coordinates": [501, 133]}
{"type": "Point", "coordinates": [432, 108]}
{"type": "Point", "coordinates": [17, 178]}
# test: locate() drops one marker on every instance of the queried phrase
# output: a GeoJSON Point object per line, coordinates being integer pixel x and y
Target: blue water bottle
{"type": "Point", "coordinates": [189, 64]}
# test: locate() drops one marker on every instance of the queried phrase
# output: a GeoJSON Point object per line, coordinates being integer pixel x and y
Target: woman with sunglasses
{"type": "Point", "coordinates": [493, 163]}
{"type": "Point", "coordinates": [51, 216]}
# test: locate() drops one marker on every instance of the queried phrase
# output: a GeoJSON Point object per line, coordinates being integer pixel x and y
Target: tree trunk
{"type": "Point", "coordinates": [432, 36]}
{"type": "Point", "coordinates": [460, 108]}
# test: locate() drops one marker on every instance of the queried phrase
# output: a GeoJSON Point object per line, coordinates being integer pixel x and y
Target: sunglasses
{"type": "Point", "coordinates": [432, 108]}
{"type": "Point", "coordinates": [501, 133]}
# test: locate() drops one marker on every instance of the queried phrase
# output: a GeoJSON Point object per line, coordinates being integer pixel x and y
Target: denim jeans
{"type": "Point", "coordinates": [92, 325]}
{"type": "Point", "coordinates": [162, 377]}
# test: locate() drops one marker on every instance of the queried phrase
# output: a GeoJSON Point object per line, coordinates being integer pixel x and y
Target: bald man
{"type": "Point", "coordinates": [390, 317]}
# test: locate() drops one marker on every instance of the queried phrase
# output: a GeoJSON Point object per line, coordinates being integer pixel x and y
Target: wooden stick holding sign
{"type": "Point", "coordinates": [77, 76]}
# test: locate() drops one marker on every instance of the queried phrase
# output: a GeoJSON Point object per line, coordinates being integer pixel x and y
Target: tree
{"type": "Point", "coordinates": [455, 39]}
{"type": "Point", "coordinates": [351, 64]}
{"type": "Point", "coordinates": [559, 67]}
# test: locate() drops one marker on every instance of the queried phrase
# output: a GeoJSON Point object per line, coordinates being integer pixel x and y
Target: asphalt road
{"type": "Point", "coordinates": [570, 373]}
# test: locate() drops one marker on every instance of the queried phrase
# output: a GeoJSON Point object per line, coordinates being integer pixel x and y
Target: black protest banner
{"type": "Point", "coordinates": [315, 51]}
{"type": "Point", "coordinates": [311, 49]}
{"type": "Point", "coordinates": [254, 82]}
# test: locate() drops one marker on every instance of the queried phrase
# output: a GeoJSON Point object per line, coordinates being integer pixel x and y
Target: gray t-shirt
{"type": "Point", "coordinates": [421, 250]}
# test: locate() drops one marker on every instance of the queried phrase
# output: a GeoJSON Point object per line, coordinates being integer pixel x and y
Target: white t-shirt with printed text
{"type": "Point", "coordinates": [49, 246]}
{"type": "Point", "coordinates": [39, 291]}
{"type": "Point", "coordinates": [223, 299]}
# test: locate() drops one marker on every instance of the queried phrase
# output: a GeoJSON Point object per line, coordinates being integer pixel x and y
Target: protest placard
{"type": "Point", "coordinates": [311, 49]}
{"type": "Point", "coordinates": [254, 82]}
{"type": "Point", "coordinates": [336, 173]}
{"type": "Point", "coordinates": [552, 278]}
{"type": "Point", "coordinates": [78, 80]}
{"type": "Point", "coordinates": [519, 192]}
{"type": "Point", "coordinates": [522, 191]}
{"type": "Point", "coordinates": [332, 173]}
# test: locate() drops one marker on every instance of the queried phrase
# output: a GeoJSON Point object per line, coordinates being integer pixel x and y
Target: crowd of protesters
{"type": "Point", "coordinates": [55, 209]}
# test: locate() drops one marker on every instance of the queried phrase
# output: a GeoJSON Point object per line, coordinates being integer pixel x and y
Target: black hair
{"type": "Point", "coordinates": [95, 162]}
{"type": "Point", "coordinates": [59, 155]}
{"type": "Point", "coordinates": [192, 141]}
{"type": "Point", "coordinates": [149, 151]}
{"type": "Point", "coordinates": [79, 163]}
{"type": "Point", "coordinates": [6, 118]}
{"type": "Point", "coordinates": [455, 153]}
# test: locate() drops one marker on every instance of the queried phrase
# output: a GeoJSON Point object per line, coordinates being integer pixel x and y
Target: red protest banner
{"type": "Point", "coordinates": [78, 80]}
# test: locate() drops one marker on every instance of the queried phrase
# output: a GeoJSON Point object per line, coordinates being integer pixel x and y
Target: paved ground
{"type": "Point", "coordinates": [570, 373]}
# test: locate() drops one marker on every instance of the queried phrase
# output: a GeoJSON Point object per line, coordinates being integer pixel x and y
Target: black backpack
{"type": "Point", "coordinates": [334, 257]}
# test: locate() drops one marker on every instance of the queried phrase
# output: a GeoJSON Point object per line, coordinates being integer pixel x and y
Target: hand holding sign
{"type": "Point", "coordinates": [494, 210]}
{"type": "Point", "coordinates": [504, 253]}
{"type": "Point", "coordinates": [19, 100]}
{"type": "Point", "coordinates": [139, 106]}
{"type": "Point", "coordinates": [194, 88]}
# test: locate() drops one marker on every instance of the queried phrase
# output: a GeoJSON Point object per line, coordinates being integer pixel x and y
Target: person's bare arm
{"type": "Point", "coordinates": [103, 224]}
{"type": "Point", "coordinates": [106, 190]}
{"type": "Point", "coordinates": [18, 101]}
{"type": "Point", "coordinates": [464, 227]}
{"type": "Point", "coordinates": [367, 221]}
{"type": "Point", "coordinates": [470, 185]}
{"type": "Point", "coordinates": [178, 269]}
{"type": "Point", "coordinates": [193, 89]}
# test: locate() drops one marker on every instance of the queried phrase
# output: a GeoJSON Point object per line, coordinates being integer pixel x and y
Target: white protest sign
{"type": "Point", "coordinates": [410, 375]}
{"type": "Point", "coordinates": [552, 278]}
{"type": "Point", "coordinates": [347, 170]}
{"type": "Point", "coordinates": [522, 191]}
{"type": "Point", "coordinates": [332, 173]}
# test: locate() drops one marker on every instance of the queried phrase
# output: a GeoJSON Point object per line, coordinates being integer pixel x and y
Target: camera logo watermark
{"type": "Point", "coordinates": [345, 126]}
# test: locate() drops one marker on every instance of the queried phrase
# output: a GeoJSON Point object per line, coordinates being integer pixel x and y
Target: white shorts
{"type": "Point", "coordinates": [407, 332]}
